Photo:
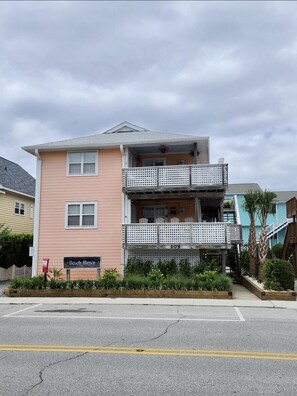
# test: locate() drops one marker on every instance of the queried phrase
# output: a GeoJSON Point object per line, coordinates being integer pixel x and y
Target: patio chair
{"type": "Point", "coordinates": [189, 220]}
{"type": "Point", "coordinates": [160, 220]}
{"type": "Point", "coordinates": [174, 220]}
{"type": "Point", "coordinates": [143, 220]}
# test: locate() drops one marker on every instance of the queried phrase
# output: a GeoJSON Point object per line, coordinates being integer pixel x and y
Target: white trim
{"type": "Point", "coordinates": [237, 211]}
{"type": "Point", "coordinates": [18, 192]}
{"type": "Point", "coordinates": [36, 213]}
{"type": "Point", "coordinates": [81, 152]}
{"type": "Point", "coordinates": [81, 203]}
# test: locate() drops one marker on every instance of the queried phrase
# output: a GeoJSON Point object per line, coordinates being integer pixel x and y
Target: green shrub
{"type": "Point", "coordinates": [207, 265]}
{"type": "Point", "coordinates": [55, 273]}
{"type": "Point", "coordinates": [205, 280]}
{"type": "Point", "coordinates": [58, 284]}
{"type": "Point", "coordinates": [277, 250]}
{"type": "Point", "coordinates": [278, 275]}
{"type": "Point", "coordinates": [110, 279]}
{"type": "Point", "coordinates": [15, 249]}
{"type": "Point", "coordinates": [185, 268]}
{"type": "Point", "coordinates": [223, 283]}
{"type": "Point", "coordinates": [135, 282]}
{"type": "Point", "coordinates": [35, 283]}
{"type": "Point", "coordinates": [177, 282]}
{"type": "Point", "coordinates": [167, 267]}
{"type": "Point", "coordinates": [136, 266]}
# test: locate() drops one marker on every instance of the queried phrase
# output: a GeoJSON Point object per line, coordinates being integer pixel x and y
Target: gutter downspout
{"type": "Point", "coordinates": [36, 214]}
{"type": "Point", "coordinates": [124, 215]}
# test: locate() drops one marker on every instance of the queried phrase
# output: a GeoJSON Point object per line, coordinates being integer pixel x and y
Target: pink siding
{"type": "Point", "coordinates": [55, 241]}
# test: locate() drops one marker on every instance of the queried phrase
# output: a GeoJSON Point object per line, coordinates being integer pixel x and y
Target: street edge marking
{"type": "Point", "coordinates": [122, 318]}
{"type": "Point", "coordinates": [241, 318]}
{"type": "Point", "coordinates": [21, 310]}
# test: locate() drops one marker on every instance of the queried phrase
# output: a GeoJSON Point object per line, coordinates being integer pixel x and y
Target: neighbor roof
{"type": "Point", "coordinates": [14, 177]}
{"type": "Point", "coordinates": [123, 134]}
{"type": "Point", "coordinates": [242, 188]}
{"type": "Point", "coordinates": [284, 196]}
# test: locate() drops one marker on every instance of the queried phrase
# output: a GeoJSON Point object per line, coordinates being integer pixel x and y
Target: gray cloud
{"type": "Point", "coordinates": [223, 69]}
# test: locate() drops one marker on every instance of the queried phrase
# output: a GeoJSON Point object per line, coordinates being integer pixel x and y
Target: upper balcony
{"type": "Point", "coordinates": [181, 235]}
{"type": "Point", "coordinates": [177, 178]}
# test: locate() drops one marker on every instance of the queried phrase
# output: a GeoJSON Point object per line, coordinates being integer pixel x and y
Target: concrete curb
{"type": "Point", "coordinates": [151, 301]}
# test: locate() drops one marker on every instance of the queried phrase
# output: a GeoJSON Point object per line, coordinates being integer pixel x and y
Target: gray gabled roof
{"type": "Point", "coordinates": [284, 196]}
{"type": "Point", "coordinates": [242, 188]}
{"type": "Point", "coordinates": [125, 134]}
{"type": "Point", "coordinates": [14, 177]}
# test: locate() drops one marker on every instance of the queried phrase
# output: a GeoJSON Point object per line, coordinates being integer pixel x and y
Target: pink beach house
{"type": "Point", "coordinates": [127, 192]}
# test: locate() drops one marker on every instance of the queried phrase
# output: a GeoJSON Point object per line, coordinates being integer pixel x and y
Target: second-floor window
{"type": "Point", "coordinates": [81, 214]}
{"type": "Point", "coordinates": [82, 163]}
{"type": "Point", "coordinates": [19, 208]}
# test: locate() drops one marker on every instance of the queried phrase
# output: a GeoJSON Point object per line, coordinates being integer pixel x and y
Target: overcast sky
{"type": "Point", "coordinates": [227, 70]}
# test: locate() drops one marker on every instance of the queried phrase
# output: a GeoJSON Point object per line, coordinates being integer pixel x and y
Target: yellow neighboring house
{"type": "Point", "coordinates": [17, 197]}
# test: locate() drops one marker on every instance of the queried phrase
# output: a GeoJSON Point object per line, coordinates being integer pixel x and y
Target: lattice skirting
{"type": "Point", "coordinates": [166, 254]}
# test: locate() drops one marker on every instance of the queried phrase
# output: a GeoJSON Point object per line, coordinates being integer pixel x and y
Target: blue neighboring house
{"type": "Point", "coordinates": [276, 223]}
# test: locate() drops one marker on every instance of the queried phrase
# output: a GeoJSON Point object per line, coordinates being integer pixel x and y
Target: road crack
{"type": "Point", "coordinates": [41, 372]}
{"type": "Point", "coordinates": [176, 322]}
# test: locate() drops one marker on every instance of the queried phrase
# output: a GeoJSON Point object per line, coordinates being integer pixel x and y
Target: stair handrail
{"type": "Point", "coordinates": [283, 221]}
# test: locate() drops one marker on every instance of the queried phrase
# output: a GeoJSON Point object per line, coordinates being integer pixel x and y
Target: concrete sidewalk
{"type": "Point", "coordinates": [241, 298]}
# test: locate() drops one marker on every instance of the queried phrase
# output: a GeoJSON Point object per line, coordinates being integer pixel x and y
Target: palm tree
{"type": "Point", "coordinates": [266, 205]}
{"type": "Point", "coordinates": [250, 206]}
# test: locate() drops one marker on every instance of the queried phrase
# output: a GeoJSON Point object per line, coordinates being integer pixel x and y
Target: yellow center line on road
{"type": "Point", "coordinates": [149, 351]}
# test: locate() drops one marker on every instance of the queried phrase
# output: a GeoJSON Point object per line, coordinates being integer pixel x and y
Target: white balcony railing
{"type": "Point", "coordinates": [181, 176]}
{"type": "Point", "coordinates": [180, 234]}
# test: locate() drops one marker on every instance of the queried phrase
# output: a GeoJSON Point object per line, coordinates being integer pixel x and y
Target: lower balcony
{"type": "Point", "coordinates": [181, 235]}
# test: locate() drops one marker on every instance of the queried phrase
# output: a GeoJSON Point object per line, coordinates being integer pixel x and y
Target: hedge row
{"type": "Point", "coordinates": [209, 280]}
{"type": "Point", "coordinates": [14, 249]}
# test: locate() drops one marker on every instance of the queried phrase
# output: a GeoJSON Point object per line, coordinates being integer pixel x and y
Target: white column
{"type": "Point", "coordinates": [36, 214]}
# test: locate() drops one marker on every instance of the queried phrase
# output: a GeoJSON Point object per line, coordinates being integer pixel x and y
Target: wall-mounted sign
{"type": "Point", "coordinates": [82, 262]}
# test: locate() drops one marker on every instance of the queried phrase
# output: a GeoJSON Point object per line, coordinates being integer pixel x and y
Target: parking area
{"type": "Point", "coordinates": [120, 312]}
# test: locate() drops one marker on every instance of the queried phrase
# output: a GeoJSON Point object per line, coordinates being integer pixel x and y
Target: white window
{"type": "Point", "coordinates": [82, 163]}
{"type": "Point", "coordinates": [153, 162]}
{"type": "Point", "coordinates": [81, 214]}
{"type": "Point", "coordinates": [19, 208]}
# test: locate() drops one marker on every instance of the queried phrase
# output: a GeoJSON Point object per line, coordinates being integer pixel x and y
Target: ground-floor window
{"type": "Point", "coordinates": [81, 214]}
{"type": "Point", "coordinates": [19, 208]}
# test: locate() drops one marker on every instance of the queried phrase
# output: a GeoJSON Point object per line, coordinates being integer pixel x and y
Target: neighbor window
{"type": "Point", "coordinates": [81, 214]}
{"type": "Point", "coordinates": [19, 208]}
{"type": "Point", "coordinates": [82, 163]}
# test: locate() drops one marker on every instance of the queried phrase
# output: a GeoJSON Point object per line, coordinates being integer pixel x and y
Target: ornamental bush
{"type": "Point", "coordinates": [278, 275]}
{"type": "Point", "coordinates": [15, 249]}
{"type": "Point", "coordinates": [277, 250]}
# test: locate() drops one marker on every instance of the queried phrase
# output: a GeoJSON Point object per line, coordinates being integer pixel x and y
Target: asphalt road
{"type": "Point", "coordinates": [147, 350]}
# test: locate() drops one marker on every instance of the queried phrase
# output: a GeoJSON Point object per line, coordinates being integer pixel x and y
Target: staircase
{"type": "Point", "coordinates": [290, 245]}
{"type": "Point", "coordinates": [277, 226]}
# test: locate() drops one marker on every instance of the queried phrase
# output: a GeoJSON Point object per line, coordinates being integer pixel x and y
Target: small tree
{"type": "Point", "coordinates": [265, 205]}
{"type": "Point", "coordinates": [250, 206]}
